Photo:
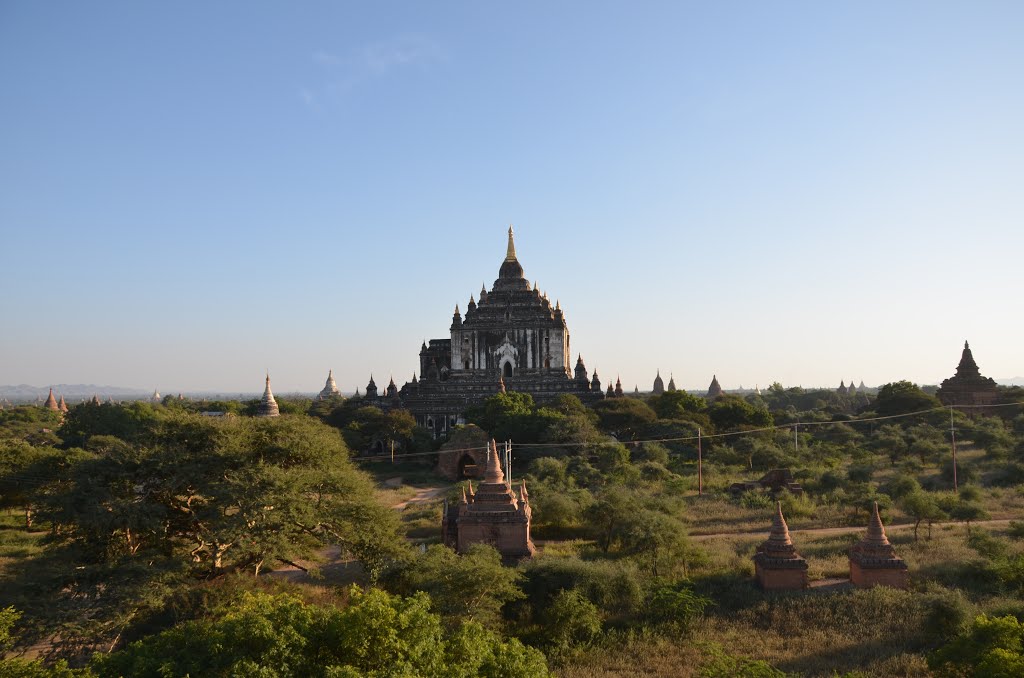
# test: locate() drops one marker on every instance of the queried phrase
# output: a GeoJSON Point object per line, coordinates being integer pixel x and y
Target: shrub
{"type": "Point", "coordinates": [990, 648]}
{"type": "Point", "coordinates": [676, 605]}
{"type": "Point", "coordinates": [571, 620]}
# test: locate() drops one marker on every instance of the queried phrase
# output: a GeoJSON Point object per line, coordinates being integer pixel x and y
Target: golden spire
{"type": "Point", "coordinates": [510, 255]}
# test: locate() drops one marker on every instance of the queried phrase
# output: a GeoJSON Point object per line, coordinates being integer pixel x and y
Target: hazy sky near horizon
{"type": "Point", "coordinates": [192, 193]}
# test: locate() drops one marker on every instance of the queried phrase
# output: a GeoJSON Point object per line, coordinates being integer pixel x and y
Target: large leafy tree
{"type": "Point", "coordinates": [193, 498]}
{"type": "Point", "coordinates": [227, 495]}
{"type": "Point", "coordinates": [903, 397]}
{"type": "Point", "coordinates": [730, 413]}
{"type": "Point", "coordinates": [993, 647]}
{"type": "Point", "coordinates": [280, 636]}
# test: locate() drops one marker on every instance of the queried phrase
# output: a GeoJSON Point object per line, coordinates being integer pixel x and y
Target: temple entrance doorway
{"type": "Point", "coordinates": [467, 467]}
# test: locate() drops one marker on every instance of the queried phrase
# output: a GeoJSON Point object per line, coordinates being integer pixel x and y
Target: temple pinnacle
{"type": "Point", "coordinates": [510, 254]}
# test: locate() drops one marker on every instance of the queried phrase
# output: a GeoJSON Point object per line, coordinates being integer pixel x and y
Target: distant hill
{"type": "Point", "coordinates": [1016, 381]}
{"type": "Point", "coordinates": [69, 391]}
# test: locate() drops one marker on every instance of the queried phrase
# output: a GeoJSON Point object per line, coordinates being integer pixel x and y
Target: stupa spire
{"type": "Point", "coordinates": [51, 402]}
{"type": "Point", "coordinates": [876, 530]}
{"type": "Point", "coordinates": [494, 475]}
{"type": "Point", "coordinates": [268, 406]}
{"type": "Point", "coordinates": [510, 254]}
{"type": "Point", "coordinates": [780, 530]}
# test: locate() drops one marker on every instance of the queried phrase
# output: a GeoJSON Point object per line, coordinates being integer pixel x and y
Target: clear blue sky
{"type": "Point", "coordinates": [191, 193]}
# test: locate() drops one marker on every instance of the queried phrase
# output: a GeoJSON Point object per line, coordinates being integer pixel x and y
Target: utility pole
{"type": "Point", "coordinates": [796, 437]}
{"type": "Point", "coordinates": [392, 451]}
{"type": "Point", "coordinates": [700, 466]}
{"type": "Point", "coordinates": [952, 438]}
{"type": "Point", "coordinates": [508, 463]}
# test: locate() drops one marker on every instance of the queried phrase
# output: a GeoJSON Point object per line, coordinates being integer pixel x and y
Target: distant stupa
{"type": "Point", "coordinates": [268, 406]}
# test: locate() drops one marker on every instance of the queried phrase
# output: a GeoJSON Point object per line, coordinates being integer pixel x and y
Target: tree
{"type": "Point", "coordinates": [202, 499]}
{"type": "Point", "coordinates": [471, 587]}
{"type": "Point", "coordinates": [676, 404]}
{"type": "Point", "coordinates": [656, 538]}
{"type": "Point", "coordinates": [992, 647]}
{"type": "Point", "coordinates": [609, 514]}
{"type": "Point", "coordinates": [967, 512]}
{"type": "Point", "coordinates": [28, 472]}
{"type": "Point", "coordinates": [623, 417]}
{"type": "Point", "coordinates": [571, 620]}
{"type": "Point", "coordinates": [731, 413]}
{"type": "Point", "coordinates": [376, 635]}
{"type": "Point", "coordinates": [903, 397]}
{"type": "Point", "coordinates": [677, 605]}
{"type": "Point", "coordinates": [920, 506]}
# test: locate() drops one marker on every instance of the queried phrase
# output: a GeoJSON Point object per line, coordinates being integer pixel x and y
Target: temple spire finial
{"type": "Point", "coordinates": [510, 254]}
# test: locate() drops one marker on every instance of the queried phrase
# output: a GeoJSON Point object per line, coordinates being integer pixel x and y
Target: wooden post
{"type": "Point", "coordinates": [952, 437]}
{"type": "Point", "coordinates": [700, 466]}
{"type": "Point", "coordinates": [392, 451]}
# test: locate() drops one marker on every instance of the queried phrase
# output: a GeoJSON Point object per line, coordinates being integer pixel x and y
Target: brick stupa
{"type": "Point", "coordinates": [777, 565]}
{"type": "Point", "coordinates": [873, 561]}
{"type": "Point", "coordinates": [491, 515]}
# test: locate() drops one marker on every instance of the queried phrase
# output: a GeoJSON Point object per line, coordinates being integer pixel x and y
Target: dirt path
{"type": "Point", "coordinates": [849, 530]}
{"type": "Point", "coordinates": [422, 494]}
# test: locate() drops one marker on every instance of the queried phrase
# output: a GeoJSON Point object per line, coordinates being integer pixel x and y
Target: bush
{"type": "Point", "coordinates": [571, 620]}
{"type": "Point", "coordinates": [613, 586]}
{"type": "Point", "coordinates": [676, 605]}
{"type": "Point", "coordinates": [756, 500]}
{"type": "Point", "coordinates": [990, 648]}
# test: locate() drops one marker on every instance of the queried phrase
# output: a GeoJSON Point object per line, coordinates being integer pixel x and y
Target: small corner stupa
{"type": "Point", "coordinates": [777, 565]}
{"type": "Point", "coordinates": [491, 515]}
{"type": "Point", "coordinates": [268, 406]}
{"type": "Point", "coordinates": [873, 560]}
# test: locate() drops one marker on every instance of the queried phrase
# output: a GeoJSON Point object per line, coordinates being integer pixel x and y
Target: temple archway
{"type": "Point", "coordinates": [507, 370]}
{"type": "Point", "coordinates": [468, 467]}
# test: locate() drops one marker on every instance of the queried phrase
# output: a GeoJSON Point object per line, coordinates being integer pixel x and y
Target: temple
{"type": "Point", "coordinates": [777, 565]}
{"type": "Point", "coordinates": [491, 515]}
{"type": "Point", "coordinates": [659, 385]}
{"type": "Point", "coordinates": [268, 406]}
{"type": "Point", "coordinates": [51, 402]}
{"type": "Point", "coordinates": [512, 337]}
{"type": "Point", "coordinates": [330, 388]}
{"type": "Point", "coordinates": [715, 389]}
{"type": "Point", "coordinates": [967, 386]}
{"type": "Point", "coordinates": [873, 560]}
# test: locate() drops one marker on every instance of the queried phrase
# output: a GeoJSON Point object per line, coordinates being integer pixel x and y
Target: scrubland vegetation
{"type": "Point", "coordinates": [137, 540]}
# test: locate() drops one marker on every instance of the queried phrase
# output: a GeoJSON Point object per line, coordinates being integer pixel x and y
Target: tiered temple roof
{"type": "Point", "coordinates": [715, 389]}
{"type": "Point", "coordinates": [268, 406]}
{"type": "Point", "coordinates": [659, 385]}
{"type": "Point", "coordinates": [967, 386]}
